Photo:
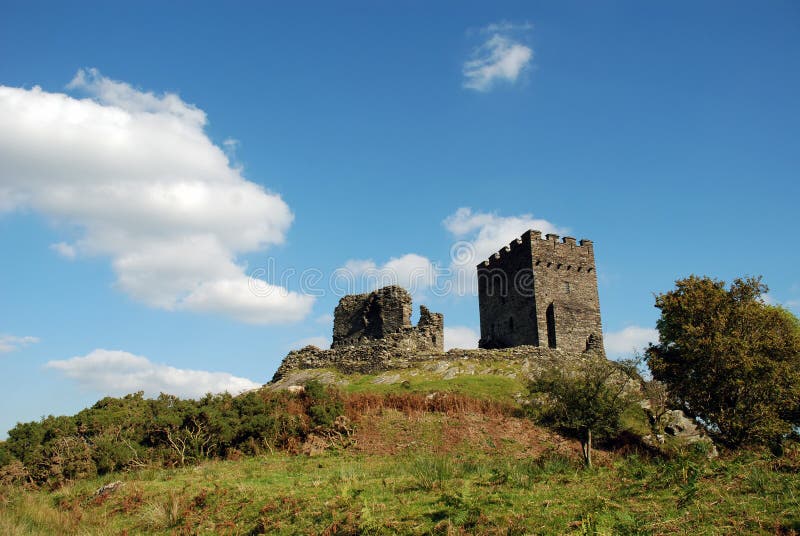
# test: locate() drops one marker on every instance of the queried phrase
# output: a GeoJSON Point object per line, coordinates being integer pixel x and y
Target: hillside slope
{"type": "Point", "coordinates": [421, 464]}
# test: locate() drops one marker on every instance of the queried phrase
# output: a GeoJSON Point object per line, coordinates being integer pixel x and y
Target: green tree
{"type": "Point", "coordinates": [585, 399]}
{"type": "Point", "coordinates": [729, 358]}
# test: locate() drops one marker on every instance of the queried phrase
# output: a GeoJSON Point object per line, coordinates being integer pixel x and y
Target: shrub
{"type": "Point", "coordinates": [585, 399]}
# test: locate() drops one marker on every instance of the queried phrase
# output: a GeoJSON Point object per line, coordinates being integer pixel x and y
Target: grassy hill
{"type": "Point", "coordinates": [431, 450]}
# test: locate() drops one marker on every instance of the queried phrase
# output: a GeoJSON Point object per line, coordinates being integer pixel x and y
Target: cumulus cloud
{"type": "Point", "coordinates": [479, 235]}
{"type": "Point", "coordinates": [135, 174]}
{"type": "Point", "coordinates": [476, 236]}
{"type": "Point", "coordinates": [500, 58]}
{"type": "Point", "coordinates": [9, 343]}
{"type": "Point", "coordinates": [488, 232]}
{"type": "Point", "coordinates": [114, 372]}
{"type": "Point", "coordinates": [411, 271]}
{"type": "Point", "coordinates": [460, 337]}
{"type": "Point", "coordinates": [628, 340]}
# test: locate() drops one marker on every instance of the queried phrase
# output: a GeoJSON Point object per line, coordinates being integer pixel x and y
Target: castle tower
{"type": "Point", "coordinates": [541, 293]}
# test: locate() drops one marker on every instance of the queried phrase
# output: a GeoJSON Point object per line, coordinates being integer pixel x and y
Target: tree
{"type": "Point", "coordinates": [585, 399]}
{"type": "Point", "coordinates": [729, 358]}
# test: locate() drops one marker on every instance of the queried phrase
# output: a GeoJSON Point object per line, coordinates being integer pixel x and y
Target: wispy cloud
{"type": "Point", "coordinates": [65, 250]}
{"type": "Point", "coordinates": [9, 343]}
{"type": "Point", "coordinates": [501, 57]}
{"type": "Point", "coordinates": [136, 175]}
{"type": "Point", "coordinates": [114, 372]}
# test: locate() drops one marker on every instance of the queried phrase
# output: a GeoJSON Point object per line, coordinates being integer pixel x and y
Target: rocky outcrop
{"type": "Point", "coordinates": [380, 357]}
{"type": "Point", "coordinates": [675, 429]}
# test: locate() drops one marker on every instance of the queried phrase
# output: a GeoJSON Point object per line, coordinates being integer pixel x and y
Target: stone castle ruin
{"type": "Point", "coordinates": [540, 293]}
{"type": "Point", "coordinates": [538, 300]}
{"type": "Point", "coordinates": [385, 316]}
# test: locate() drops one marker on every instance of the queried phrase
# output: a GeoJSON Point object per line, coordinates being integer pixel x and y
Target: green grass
{"type": "Point", "coordinates": [432, 473]}
{"type": "Point", "coordinates": [423, 493]}
{"type": "Point", "coordinates": [489, 380]}
{"type": "Point", "coordinates": [479, 386]}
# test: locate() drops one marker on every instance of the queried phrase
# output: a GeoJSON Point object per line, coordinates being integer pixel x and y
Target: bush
{"type": "Point", "coordinates": [586, 399]}
{"type": "Point", "coordinates": [132, 431]}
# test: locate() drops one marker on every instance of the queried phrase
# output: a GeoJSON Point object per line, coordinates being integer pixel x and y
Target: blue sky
{"type": "Point", "coordinates": [154, 157]}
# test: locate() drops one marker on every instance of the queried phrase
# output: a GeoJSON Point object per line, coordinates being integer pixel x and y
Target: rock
{"type": "Point", "coordinates": [451, 373]}
{"type": "Point", "coordinates": [387, 379]}
{"type": "Point", "coordinates": [680, 430]}
{"type": "Point", "coordinates": [109, 488]}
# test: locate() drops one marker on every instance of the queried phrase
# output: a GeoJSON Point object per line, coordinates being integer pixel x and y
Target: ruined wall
{"type": "Point", "coordinates": [540, 293]}
{"type": "Point", "coordinates": [384, 316]}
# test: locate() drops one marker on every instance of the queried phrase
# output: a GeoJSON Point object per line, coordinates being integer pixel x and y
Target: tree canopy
{"type": "Point", "coordinates": [729, 358]}
{"type": "Point", "coordinates": [585, 399]}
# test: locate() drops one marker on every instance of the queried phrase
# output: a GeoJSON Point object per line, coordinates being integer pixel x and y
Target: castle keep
{"type": "Point", "coordinates": [540, 293]}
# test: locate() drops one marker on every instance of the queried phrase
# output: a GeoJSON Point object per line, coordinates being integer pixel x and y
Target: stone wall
{"type": "Point", "coordinates": [540, 293]}
{"type": "Point", "coordinates": [383, 317]}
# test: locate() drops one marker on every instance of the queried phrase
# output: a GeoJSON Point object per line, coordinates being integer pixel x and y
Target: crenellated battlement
{"type": "Point", "coordinates": [579, 254]}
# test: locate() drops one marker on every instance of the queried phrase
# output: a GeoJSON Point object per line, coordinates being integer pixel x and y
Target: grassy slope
{"type": "Point", "coordinates": [413, 472]}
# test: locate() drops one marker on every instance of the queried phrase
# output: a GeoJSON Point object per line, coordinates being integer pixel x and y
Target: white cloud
{"type": "Point", "coordinates": [629, 340]}
{"type": "Point", "coordinates": [114, 372]}
{"type": "Point", "coordinates": [318, 341]}
{"type": "Point", "coordinates": [65, 250]}
{"type": "Point", "coordinates": [9, 343]}
{"type": "Point", "coordinates": [460, 337]}
{"type": "Point", "coordinates": [413, 272]}
{"type": "Point", "coordinates": [499, 58]}
{"type": "Point", "coordinates": [477, 236]}
{"type": "Point", "coordinates": [488, 233]}
{"type": "Point", "coordinates": [506, 27]}
{"type": "Point", "coordinates": [136, 175]}
{"type": "Point", "coordinates": [480, 235]}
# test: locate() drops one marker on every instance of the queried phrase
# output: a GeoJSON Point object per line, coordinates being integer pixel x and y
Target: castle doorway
{"type": "Point", "coordinates": [551, 326]}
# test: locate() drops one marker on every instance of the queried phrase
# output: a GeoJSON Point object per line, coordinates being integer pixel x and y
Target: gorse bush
{"type": "Point", "coordinates": [132, 431]}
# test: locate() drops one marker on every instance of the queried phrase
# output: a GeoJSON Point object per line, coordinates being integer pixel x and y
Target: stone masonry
{"type": "Point", "coordinates": [384, 316]}
{"type": "Point", "coordinates": [540, 293]}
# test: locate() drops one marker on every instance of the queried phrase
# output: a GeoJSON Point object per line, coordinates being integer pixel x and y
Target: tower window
{"type": "Point", "coordinates": [567, 286]}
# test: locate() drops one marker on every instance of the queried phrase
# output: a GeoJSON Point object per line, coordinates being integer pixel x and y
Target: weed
{"type": "Point", "coordinates": [430, 471]}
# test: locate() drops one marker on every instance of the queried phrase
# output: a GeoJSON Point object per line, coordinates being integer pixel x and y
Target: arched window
{"type": "Point", "coordinates": [511, 324]}
{"type": "Point", "coordinates": [551, 326]}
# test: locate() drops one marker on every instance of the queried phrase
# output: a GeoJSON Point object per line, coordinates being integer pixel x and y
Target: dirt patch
{"type": "Point", "coordinates": [392, 432]}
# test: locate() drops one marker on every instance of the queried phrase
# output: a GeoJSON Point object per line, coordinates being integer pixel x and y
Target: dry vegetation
{"type": "Point", "coordinates": [413, 463]}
